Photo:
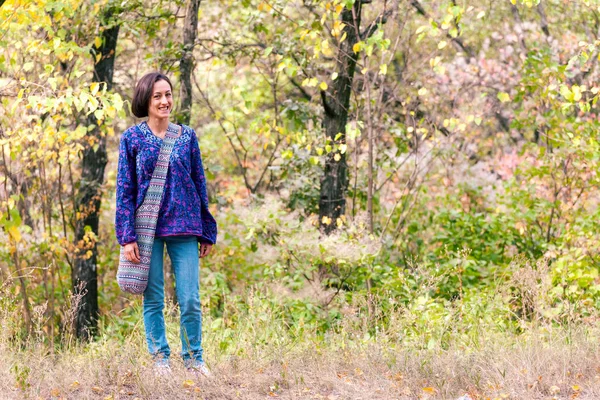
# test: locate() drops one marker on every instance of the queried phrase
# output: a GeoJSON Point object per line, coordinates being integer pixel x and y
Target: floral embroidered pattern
{"type": "Point", "coordinates": [184, 207]}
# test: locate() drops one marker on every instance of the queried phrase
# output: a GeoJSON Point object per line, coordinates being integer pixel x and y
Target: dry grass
{"type": "Point", "coordinates": [547, 364]}
{"type": "Point", "coordinates": [428, 350]}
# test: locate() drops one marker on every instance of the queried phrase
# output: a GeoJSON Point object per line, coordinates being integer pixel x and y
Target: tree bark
{"type": "Point", "coordinates": [88, 199]}
{"type": "Point", "coordinates": [332, 203]}
{"type": "Point", "coordinates": [186, 64]}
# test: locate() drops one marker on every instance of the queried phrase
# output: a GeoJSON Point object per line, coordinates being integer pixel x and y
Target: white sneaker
{"type": "Point", "coordinates": [199, 368]}
{"type": "Point", "coordinates": [162, 368]}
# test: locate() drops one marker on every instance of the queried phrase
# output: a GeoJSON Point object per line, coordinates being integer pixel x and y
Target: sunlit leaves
{"type": "Point", "coordinates": [337, 29]}
{"type": "Point", "coordinates": [310, 82]}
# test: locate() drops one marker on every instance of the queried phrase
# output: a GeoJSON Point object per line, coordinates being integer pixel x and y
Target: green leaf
{"type": "Point", "coordinates": [503, 97]}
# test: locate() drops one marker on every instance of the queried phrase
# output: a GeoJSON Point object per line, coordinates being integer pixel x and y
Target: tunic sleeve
{"type": "Point", "coordinates": [126, 193]}
{"type": "Point", "coordinates": [209, 225]}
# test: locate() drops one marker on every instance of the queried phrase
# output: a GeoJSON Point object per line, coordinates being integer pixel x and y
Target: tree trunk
{"type": "Point", "coordinates": [186, 64]}
{"type": "Point", "coordinates": [332, 203]}
{"type": "Point", "coordinates": [88, 199]}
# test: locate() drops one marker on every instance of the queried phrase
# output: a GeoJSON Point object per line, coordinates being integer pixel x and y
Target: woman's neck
{"type": "Point", "coordinates": [158, 126]}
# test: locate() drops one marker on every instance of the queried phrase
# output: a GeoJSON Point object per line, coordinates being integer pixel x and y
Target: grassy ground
{"type": "Point", "coordinates": [261, 361]}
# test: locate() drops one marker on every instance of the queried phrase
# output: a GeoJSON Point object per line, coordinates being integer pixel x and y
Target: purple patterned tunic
{"type": "Point", "coordinates": [184, 207]}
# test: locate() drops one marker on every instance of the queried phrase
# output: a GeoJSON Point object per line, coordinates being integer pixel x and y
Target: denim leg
{"type": "Point", "coordinates": [154, 303]}
{"type": "Point", "coordinates": [183, 251]}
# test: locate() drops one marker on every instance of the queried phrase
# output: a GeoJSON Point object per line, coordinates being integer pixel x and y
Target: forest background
{"type": "Point", "coordinates": [406, 191]}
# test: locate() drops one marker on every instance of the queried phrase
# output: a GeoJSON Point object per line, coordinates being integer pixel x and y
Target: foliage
{"type": "Point", "coordinates": [472, 134]}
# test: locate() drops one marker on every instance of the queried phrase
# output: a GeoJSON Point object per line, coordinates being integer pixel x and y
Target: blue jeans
{"type": "Point", "coordinates": [183, 252]}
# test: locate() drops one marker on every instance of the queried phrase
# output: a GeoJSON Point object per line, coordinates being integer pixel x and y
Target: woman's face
{"type": "Point", "coordinates": [161, 100]}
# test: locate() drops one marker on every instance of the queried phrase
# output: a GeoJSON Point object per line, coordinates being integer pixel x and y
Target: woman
{"type": "Point", "coordinates": [183, 218]}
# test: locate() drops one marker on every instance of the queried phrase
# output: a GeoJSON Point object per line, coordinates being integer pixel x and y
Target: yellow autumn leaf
{"type": "Point", "coordinates": [14, 232]}
{"type": "Point", "coordinates": [111, 111]}
{"type": "Point", "coordinates": [326, 49]}
{"type": "Point", "coordinates": [357, 46]}
{"type": "Point", "coordinates": [98, 42]}
{"type": "Point", "coordinates": [323, 86]}
{"type": "Point", "coordinates": [263, 7]}
{"type": "Point", "coordinates": [188, 383]}
{"type": "Point", "coordinates": [429, 390]}
{"type": "Point", "coordinates": [337, 28]}
{"type": "Point", "coordinates": [383, 69]}
{"type": "Point", "coordinates": [94, 88]}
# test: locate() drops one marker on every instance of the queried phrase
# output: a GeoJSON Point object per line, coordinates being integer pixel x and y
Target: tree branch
{"type": "Point", "coordinates": [544, 20]}
{"type": "Point", "coordinates": [381, 19]}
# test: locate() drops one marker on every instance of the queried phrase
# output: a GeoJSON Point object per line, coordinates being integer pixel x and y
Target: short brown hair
{"type": "Point", "coordinates": [143, 92]}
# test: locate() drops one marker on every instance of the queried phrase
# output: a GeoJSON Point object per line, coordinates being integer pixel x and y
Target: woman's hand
{"type": "Point", "coordinates": [205, 249]}
{"type": "Point", "coordinates": [132, 252]}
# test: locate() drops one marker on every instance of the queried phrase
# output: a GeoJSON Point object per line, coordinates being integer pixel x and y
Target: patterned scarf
{"type": "Point", "coordinates": [133, 277]}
